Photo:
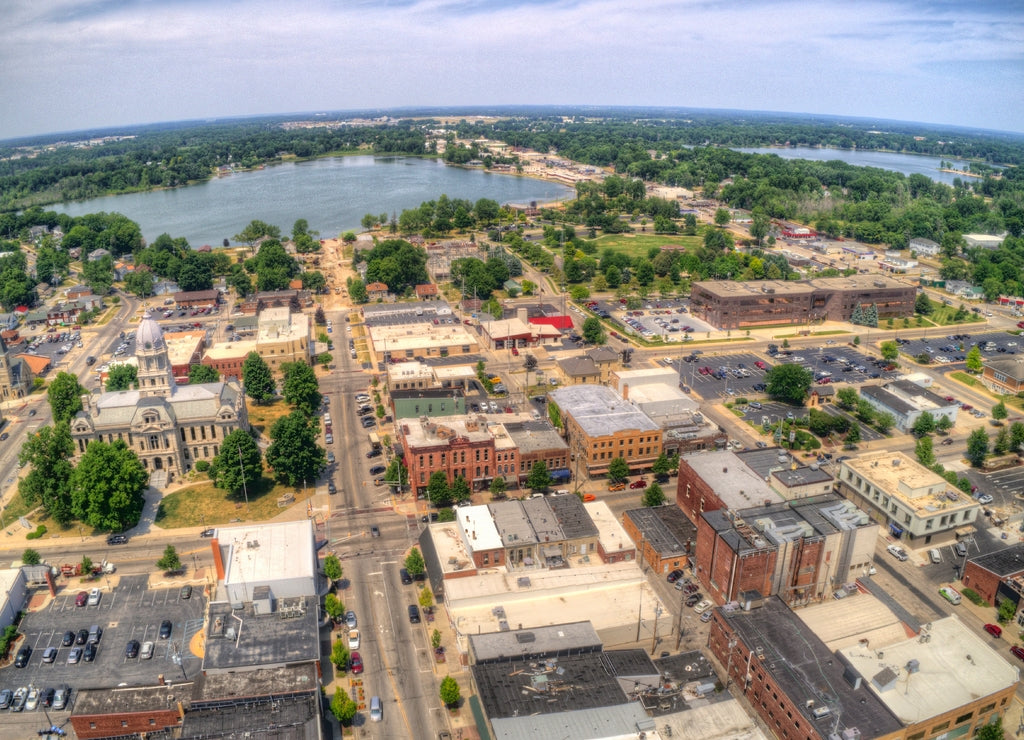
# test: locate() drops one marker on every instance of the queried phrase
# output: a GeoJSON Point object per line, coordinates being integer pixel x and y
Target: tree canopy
{"type": "Point", "coordinates": [259, 383]}
{"type": "Point", "coordinates": [65, 396]}
{"type": "Point", "coordinates": [48, 482]}
{"type": "Point", "coordinates": [789, 383]}
{"type": "Point", "coordinates": [301, 388]}
{"type": "Point", "coordinates": [122, 377]}
{"type": "Point", "coordinates": [108, 486]}
{"type": "Point", "coordinates": [294, 454]}
{"type": "Point", "coordinates": [238, 465]}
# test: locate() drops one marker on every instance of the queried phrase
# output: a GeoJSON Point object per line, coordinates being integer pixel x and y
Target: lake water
{"type": "Point", "coordinates": [908, 164]}
{"type": "Point", "coordinates": [332, 194]}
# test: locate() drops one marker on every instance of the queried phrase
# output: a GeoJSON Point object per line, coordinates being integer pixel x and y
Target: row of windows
{"type": "Point", "coordinates": [622, 442]}
{"type": "Point", "coordinates": [628, 453]}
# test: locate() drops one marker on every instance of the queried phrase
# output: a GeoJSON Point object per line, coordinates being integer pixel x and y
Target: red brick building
{"type": "Point", "coordinates": [719, 480]}
{"type": "Point", "coordinates": [456, 445]}
{"type": "Point", "coordinates": [126, 712]}
{"type": "Point", "coordinates": [998, 575]}
{"type": "Point", "coordinates": [197, 298]}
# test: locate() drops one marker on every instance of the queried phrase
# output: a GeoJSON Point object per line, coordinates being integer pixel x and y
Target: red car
{"type": "Point", "coordinates": [994, 629]}
{"type": "Point", "coordinates": [1018, 652]}
{"type": "Point", "coordinates": [760, 365]}
{"type": "Point", "coordinates": [82, 598]}
{"type": "Point", "coordinates": [950, 399]}
{"type": "Point", "coordinates": [966, 407]}
{"type": "Point", "coordinates": [824, 381]}
{"type": "Point", "coordinates": [638, 484]}
{"type": "Point", "coordinates": [1020, 324]}
{"type": "Point", "coordinates": [357, 663]}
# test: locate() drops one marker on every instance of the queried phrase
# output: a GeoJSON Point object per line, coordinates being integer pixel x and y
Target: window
{"type": "Point", "coordinates": [964, 717]}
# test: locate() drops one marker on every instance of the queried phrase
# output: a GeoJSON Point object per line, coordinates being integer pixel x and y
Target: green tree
{"type": "Point", "coordinates": [890, 351]}
{"type": "Point", "coordinates": [993, 731]}
{"type": "Point", "coordinates": [943, 424]}
{"type": "Point", "coordinates": [325, 359]}
{"type": "Point", "coordinates": [977, 447]}
{"type": "Point", "coordinates": [47, 454]}
{"type": "Point", "coordinates": [618, 470]}
{"type": "Point", "coordinates": [539, 478]}
{"type": "Point", "coordinates": [332, 568]}
{"type": "Point", "coordinates": [847, 398]}
{"type": "Point", "coordinates": [65, 396]}
{"type": "Point", "coordinates": [239, 463]}
{"type": "Point", "coordinates": [788, 383]}
{"type": "Point", "coordinates": [301, 388]}
{"type": "Point", "coordinates": [498, 487]}
{"type": "Point", "coordinates": [333, 607]}
{"type": "Point", "coordinates": [922, 304]}
{"type": "Point", "coordinates": [357, 291]}
{"type": "Point", "coordinates": [426, 598]}
{"type": "Point", "coordinates": [925, 452]}
{"type": "Point", "coordinates": [169, 560]}
{"type": "Point", "coordinates": [1016, 435]}
{"type": "Point", "coordinates": [340, 655]}
{"type": "Point", "coordinates": [435, 639]}
{"type": "Point", "coordinates": [999, 412]}
{"type": "Point", "coordinates": [438, 491]}
{"type": "Point", "coordinates": [450, 693]}
{"type": "Point", "coordinates": [259, 383]}
{"type": "Point", "coordinates": [202, 374]}
{"type": "Point", "coordinates": [343, 707]}
{"type": "Point", "coordinates": [108, 486]}
{"type": "Point", "coordinates": [255, 231]}
{"type": "Point", "coordinates": [87, 564]}
{"type": "Point", "coordinates": [294, 454]}
{"type": "Point", "coordinates": [973, 360]}
{"type": "Point", "coordinates": [722, 217]}
{"type": "Point", "coordinates": [31, 557]}
{"type": "Point", "coordinates": [414, 562]}
{"type": "Point", "coordinates": [925, 424]}
{"type": "Point", "coordinates": [593, 332]}
{"type": "Point", "coordinates": [661, 466]}
{"type": "Point", "coordinates": [1001, 445]}
{"type": "Point", "coordinates": [885, 421]}
{"type": "Point", "coordinates": [653, 496]}
{"type": "Point", "coordinates": [122, 377]}
{"type": "Point", "coordinates": [853, 436]}
{"type": "Point", "coordinates": [459, 490]}
{"type": "Point", "coordinates": [396, 474]}
{"type": "Point", "coordinates": [140, 282]}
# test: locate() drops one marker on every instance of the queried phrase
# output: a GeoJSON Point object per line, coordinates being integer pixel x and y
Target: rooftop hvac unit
{"type": "Point", "coordinates": [822, 711]}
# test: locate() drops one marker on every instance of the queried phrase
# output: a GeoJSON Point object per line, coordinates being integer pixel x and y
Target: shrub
{"type": "Point", "coordinates": [202, 465]}
{"type": "Point", "coordinates": [39, 532]}
{"type": "Point", "coordinates": [973, 596]}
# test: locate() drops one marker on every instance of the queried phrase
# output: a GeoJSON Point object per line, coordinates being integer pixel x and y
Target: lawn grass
{"type": "Point", "coordinates": [965, 378]}
{"type": "Point", "coordinates": [636, 245]}
{"type": "Point", "coordinates": [202, 504]}
{"type": "Point", "coordinates": [262, 417]}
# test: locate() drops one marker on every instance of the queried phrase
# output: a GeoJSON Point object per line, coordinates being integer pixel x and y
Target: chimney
{"type": "Point", "coordinates": [522, 314]}
{"type": "Point", "coordinates": [625, 391]}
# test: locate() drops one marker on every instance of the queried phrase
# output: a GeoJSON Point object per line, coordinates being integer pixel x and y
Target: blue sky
{"type": "Point", "coordinates": [67, 65]}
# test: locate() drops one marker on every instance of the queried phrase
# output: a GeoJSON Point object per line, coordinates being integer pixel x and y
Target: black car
{"type": "Point", "coordinates": [404, 575]}
{"type": "Point", "coordinates": [675, 576]}
{"type": "Point", "coordinates": [46, 697]}
{"type": "Point", "coordinates": [165, 629]}
{"type": "Point", "coordinates": [693, 599]}
{"type": "Point", "coordinates": [68, 639]}
{"type": "Point", "coordinates": [82, 637]}
{"type": "Point", "coordinates": [331, 488]}
{"type": "Point", "coordinates": [377, 470]}
{"type": "Point", "coordinates": [117, 539]}
{"type": "Point", "coordinates": [131, 650]}
{"type": "Point", "coordinates": [206, 533]}
{"type": "Point", "coordinates": [431, 518]}
{"type": "Point", "coordinates": [374, 453]}
{"type": "Point", "coordinates": [90, 652]}
{"type": "Point", "coordinates": [414, 614]}
{"type": "Point", "coordinates": [23, 657]}
{"type": "Point", "coordinates": [374, 531]}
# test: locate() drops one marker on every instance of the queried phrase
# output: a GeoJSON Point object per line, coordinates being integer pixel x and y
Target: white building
{"type": "Point", "coordinates": [907, 401]}
{"type": "Point", "coordinates": [280, 557]}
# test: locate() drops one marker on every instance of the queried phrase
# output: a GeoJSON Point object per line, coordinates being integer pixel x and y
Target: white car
{"type": "Point", "coordinates": [897, 552]}
{"type": "Point", "coordinates": [984, 499]}
{"type": "Point", "coordinates": [94, 597]}
{"type": "Point", "coordinates": [703, 606]}
{"type": "Point", "coordinates": [353, 639]}
{"type": "Point", "coordinates": [33, 698]}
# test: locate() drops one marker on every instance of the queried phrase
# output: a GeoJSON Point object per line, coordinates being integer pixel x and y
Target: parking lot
{"type": "Point", "coordinates": [951, 349]}
{"type": "Point", "coordinates": [668, 320]}
{"type": "Point", "coordinates": [722, 376]}
{"type": "Point", "coordinates": [129, 611]}
{"type": "Point", "coordinates": [773, 412]}
{"type": "Point", "coordinates": [842, 363]}
{"type": "Point", "coordinates": [1002, 485]}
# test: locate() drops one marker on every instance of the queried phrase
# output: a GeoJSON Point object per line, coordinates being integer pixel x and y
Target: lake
{"type": "Point", "coordinates": [908, 164]}
{"type": "Point", "coordinates": [332, 194]}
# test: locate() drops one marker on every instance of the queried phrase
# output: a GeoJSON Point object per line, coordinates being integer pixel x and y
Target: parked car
{"type": "Point", "coordinates": [414, 614]}
{"type": "Point", "coordinates": [897, 552]}
{"type": "Point", "coordinates": [147, 650]}
{"type": "Point", "coordinates": [18, 702]}
{"type": "Point", "coordinates": [61, 696]}
{"type": "Point", "coordinates": [117, 539]}
{"type": "Point", "coordinates": [131, 650]}
{"type": "Point", "coordinates": [82, 598]}
{"type": "Point", "coordinates": [165, 629]}
{"type": "Point", "coordinates": [984, 499]}
{"type": "Point", "coordinates": [49, 654]}
{"type": "Point", "coordinates": [994, 629]}
{"type": "Point", "coordinates": [703, 606]}
{"type": "Point", "coordinates": [23, 657]}
{"type": "Point", "coordinates": [675, 576]}
{"type": "Point", "coordinates": [89, 653]}
{"type": "Point", "coordinates": [186, 592]}
{"type": "Point", "coordinates": [353, 639]}
{"type": "Point", "coordinates": [94, 596]}
{"type": "Point", "coordinates": [638, 484]}
{"type": "Point", "coordinates": [6, 697]}
{"type": "Point", "coordinates": [356, 661]}
{"type": "Point", "coordinates": [403, 574]}
{"type": "Point", "coordinates": [617, 487]}
{"type": "Point", "coordinates": [693, 599]}
{"type": "Point", "coordinates": [350, 620]}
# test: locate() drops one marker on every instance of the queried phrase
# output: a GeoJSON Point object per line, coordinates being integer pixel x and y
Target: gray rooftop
{"type": "Point", "coordinates": [288, 717]}
{"type": "Point", "coordinates": [888, 399]}
{"type": "Point", "coordinates": [802, 476]}
{"type": "Point", "coordinates": [765, 461]}
{"type": "Point", "coordinates": [215, 687]}
{"type": "Point", "coordinates": [599, 412]}
{"type": "Point", "coordinates": [1004, 563]}
{"type": "Point", "coordinates": [664, 528]}
{"type": "Point", "coordinates": [542, 520]}
{"type": "Point", "coordinates": [733, 482]}
{"type": "Point", "coordinates": [721, 521]}
{"type": "Point", "coordinates": [621, 720]}
{"type": "Point", "coordinates": [536, 643]}
{"type": "Point", "coordinates": [806, 670]}
{"type": "Point", "coordinates": [535, 436]}
{"type": "Point", "coordinates": [572, 516]}
{"type": "Point", "coordinates": [238, 638]}
{"type": "Point", "coordinates": [512, 523]}
{"type": "Point", "coordinates": [578, 367]}
{"type": "Point", "coordinates": [129, 700]}
{"type": "Point", "coordinates": [1010, 366]}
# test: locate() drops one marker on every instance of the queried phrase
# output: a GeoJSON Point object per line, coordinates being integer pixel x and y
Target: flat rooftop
{"type": "Point", "coordinates": [535, 436]}
{"type": "Point", "coordinates": [610, 533]}
{"type": "Point", "coordinates": [843, 623]}
{"type": "Point", "coordinates": [599, 412]}
{"type": "Point", "coordinates": [725, 288]}
{"type": "Point", "coordinates": [440, 431]}
{"type": "Point", "coordinates": [572, 515]}
{"type": "Point", "coordinates": [477, 525]}
{"type": "Point", "coordinates": [537, 642]}
{"type": "Point", "coordinates": [215, 687]}
{"type": "Point", "coordinates": [802, 476]}
{"type": "Point", "coordinates": [240, 638]}
{"type": "Point", "coordinates": [733, 482]}
{"type": "Point", "coordinates": [903, 478]}
{"type": "Point", "coordinates": [956, 666]}
{"type": "Point", "coordinates": [512, 523]}
{"type": "Point", "coordinates": [664, 528]}
{"type": "Point", "coordinates": [182, 346]}
{"type": "Point", "coordinates": [805, 669]}
{"type": "Point", "coordinates": [1004, 563]}
{"type": "Point", "coordinates": [130, 700]}
{"type": "Point", "coordinates": [258, 553]}
{"type": "Point", "coordinates": [396, 338]}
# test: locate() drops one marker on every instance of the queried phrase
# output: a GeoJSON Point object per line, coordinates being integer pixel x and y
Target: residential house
{"type": "Point", "coordinates": [924, 247]}
{"type": "Point", "coordinates": [376, 291]}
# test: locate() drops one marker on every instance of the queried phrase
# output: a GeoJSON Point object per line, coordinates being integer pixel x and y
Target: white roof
{"type": "Point", "coordinates": [610, 533]}
{"type": "Point", "coordinates": [258, 553]}
{"type": "Point", "coordinates": [478, 528]}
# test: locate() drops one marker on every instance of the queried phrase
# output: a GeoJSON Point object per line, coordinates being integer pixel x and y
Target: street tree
{"type": "Point", "coordinates": [498, 487]}
{"type": "Point", "coordinates": [31, 557]}
{"type": "Point", "coordinates": [593, 332]}
{"type": "Point", "coordinates": [65, 396]}
{"type": "Point", "coordinates": [343, 707]}
{"type": "Point", "coordinates": [435, 639]}
{"type": "Point", "coordinates": [993, 731]}
{"type": "Point", "coordinates": [1016, 435]}
{"type": "Point", "coordinates": [334, 608]}
{"type": "Point", "coordinates": [890, 351]}
{"type": "Point", "coordinates": [202, 374]}
{"type": "Point", "coordinates": [973, 360]}
{"type": "Point", "coordinates": [846, 398]}
{"type": "Point", "coordinates": [259, 383]}
{"type": "Point", "coordinates": [977, 447]}
{"type": "Point", "coordinates": [853, 436]}
{"type": "Point", "coordinates": [653, 496]}
{"type": "Point", "coordinates": [885, 421]}
{"type": "Point", "coordinates": [426, 598]}
{"type": "Point", "coordinates": [319, 317]}
{"type": "Point", "coordinates": [999, 412]}
{"type": "Point", "coordinates": [301, 388]}
{"type": "Point", "coordinates": [722, 217]}
{"type": "Point", "coordinates": [459, 490]}
{"type": "Point", "coordinates": [943, 424]}
{"type": "Point", "coordinates": [169, 560]}
{"type": "Point", "coordinates": [293, 453]}
{"type": "Point", "coordinates": [661, 467]}
{"type": "Point", "coordinates": [325, 359]}
{"type": "Point", "coordinates": [788, 383]}
{"type": "Point", "coordinates": [396, 474]}
{"type": "Point", "coordinates": [450, 693]}
{"type": "Point", "coordinates": [108, 486]}
{"type": "Point", "coordinates": [539, 478]}
{"type": "Point", "coordinates": [438, 491]}
{"type": "Point", "coordinates": [340, 655]}
{"type": "Point", "coordinates": [122, 377]}
{"type": "Point", "coordinates": [332, 568]}
{"type": "Point", "coordinates": [922, 304]}
{"type": "Point", "coordinates": [414, 562]}
{"type": "Point", "coordinates": [618, 470]}
{"type": "Point", "coordinates": [924, 451]}
{"type": "Point", "coordinates": [140, 283]}
{"type": "Point", "coordinates": [238, 465]}
{"type": "Point", "coordinates": [925, 424]}
{"type": "Point", "coordinates": [1001, 444]}
{"type": "Point", "coordinates": [47, 454]}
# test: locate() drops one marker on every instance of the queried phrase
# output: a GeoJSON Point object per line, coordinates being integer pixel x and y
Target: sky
{"type": "Point", "coordinates": [69, 65]}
